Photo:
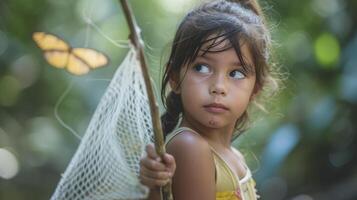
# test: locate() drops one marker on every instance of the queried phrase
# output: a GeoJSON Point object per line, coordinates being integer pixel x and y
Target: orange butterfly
{"type": "Point", "coordinates": [59, 54]}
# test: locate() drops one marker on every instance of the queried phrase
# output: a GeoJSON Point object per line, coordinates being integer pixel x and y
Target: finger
{"type": "Point", "coordinates": [151, 183]}
{"type": "Point", "coordinates": [159, 175]}
{"type": "Point", "coordinates": [151, 152]}
{"type": "Point", "coordinates": [152, 164]}
{"type": "Point", "coordinates": [169, 160]}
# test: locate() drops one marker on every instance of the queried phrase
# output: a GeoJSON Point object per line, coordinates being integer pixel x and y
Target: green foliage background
{"type": "Point", "coordinates": [304, 148]}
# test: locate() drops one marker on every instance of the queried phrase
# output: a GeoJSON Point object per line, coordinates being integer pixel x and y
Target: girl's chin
{"type": "Point", "coordinates": [215, 123]}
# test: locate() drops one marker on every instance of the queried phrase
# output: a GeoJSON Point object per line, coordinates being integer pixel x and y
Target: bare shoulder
{"type": "Point", "coordinates": [194, 177]}
{"type": "Point", "coordinates": [188, 146]}
{"type": "Point", "coordinates": [188, 141]}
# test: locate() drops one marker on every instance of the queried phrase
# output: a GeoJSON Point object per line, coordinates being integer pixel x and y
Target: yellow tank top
{"type": "Point", "coordinates": [228, 185]}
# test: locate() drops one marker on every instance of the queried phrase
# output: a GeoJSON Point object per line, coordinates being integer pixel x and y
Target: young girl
{"type": "Point", "coordinates": [218, 65]}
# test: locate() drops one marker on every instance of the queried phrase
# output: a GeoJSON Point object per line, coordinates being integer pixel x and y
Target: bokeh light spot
{"type": "Point", "coordinates": [10, 89]}
{"type": "Point", "coordinates": [327, 50]}
{"type": "Point", "coordinates": [176, 6]}
{"type": "Point", "coordinates": [8, 165]}
{"type": "Point", "coordinates": [26, 71]}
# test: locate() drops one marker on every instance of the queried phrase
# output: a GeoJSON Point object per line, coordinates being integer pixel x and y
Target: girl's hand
{"type": "Point", "coordinates": [155, 172]}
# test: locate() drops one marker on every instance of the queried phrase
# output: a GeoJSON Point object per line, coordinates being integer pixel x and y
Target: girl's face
{"type": "Point", "coordinates": [215, 90]}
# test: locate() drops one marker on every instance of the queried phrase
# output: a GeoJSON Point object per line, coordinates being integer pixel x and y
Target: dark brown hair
{"type": "Point", "coordinates": [236, 21]}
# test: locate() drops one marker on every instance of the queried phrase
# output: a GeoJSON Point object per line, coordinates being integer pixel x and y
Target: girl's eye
{"type": "Point", "coordinates": [236, 74]}
{"type": "Point", "coordinates": [201, 68]}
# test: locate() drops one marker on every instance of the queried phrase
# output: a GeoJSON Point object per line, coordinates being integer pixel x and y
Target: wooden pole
{"type": "Point", "coordinates": [154, 108]}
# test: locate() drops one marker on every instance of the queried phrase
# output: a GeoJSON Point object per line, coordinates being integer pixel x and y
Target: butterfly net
{"type": "Point", "coordinates": [106, 163]}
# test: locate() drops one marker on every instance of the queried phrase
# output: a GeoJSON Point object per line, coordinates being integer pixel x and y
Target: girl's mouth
{"type": "Point", "coordinates": [215, 108]}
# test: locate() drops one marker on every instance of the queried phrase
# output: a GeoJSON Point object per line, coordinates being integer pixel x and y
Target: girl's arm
{"type": "Point", "coordinates": [195, 170]}
{"type": "Point", "coordinates": [194, 177]}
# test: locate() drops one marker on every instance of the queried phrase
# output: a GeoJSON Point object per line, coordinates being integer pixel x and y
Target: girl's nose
{"type": "Point", "coordinates": [218, 86]}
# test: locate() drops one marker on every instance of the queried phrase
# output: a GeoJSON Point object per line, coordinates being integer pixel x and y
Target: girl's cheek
{"type": "Point", "coordinates": [199, 78]}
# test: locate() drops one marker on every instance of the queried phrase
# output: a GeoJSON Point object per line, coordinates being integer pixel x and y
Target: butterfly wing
{"type": "Point", "coordinates": [56, 51]}
{"type": "Point", "coordinates": [49, 42]}
{"type": "Point", "coordinates": [56, 58]}
{"type": "Point", "coordinates": [77, 66]}
{"type": "Point", "coordinates": [93, 58]}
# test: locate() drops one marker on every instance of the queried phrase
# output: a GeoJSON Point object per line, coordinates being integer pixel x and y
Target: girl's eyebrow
{"type": "Point", "coordinates": [212, 59]}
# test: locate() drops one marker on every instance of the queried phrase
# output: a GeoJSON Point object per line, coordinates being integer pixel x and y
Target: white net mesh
{"type": "Point", "coordinates": [106, 163]}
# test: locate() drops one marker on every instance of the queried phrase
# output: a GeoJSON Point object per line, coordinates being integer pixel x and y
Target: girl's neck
{"type": "Point", "coordinates": [216, 137]}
